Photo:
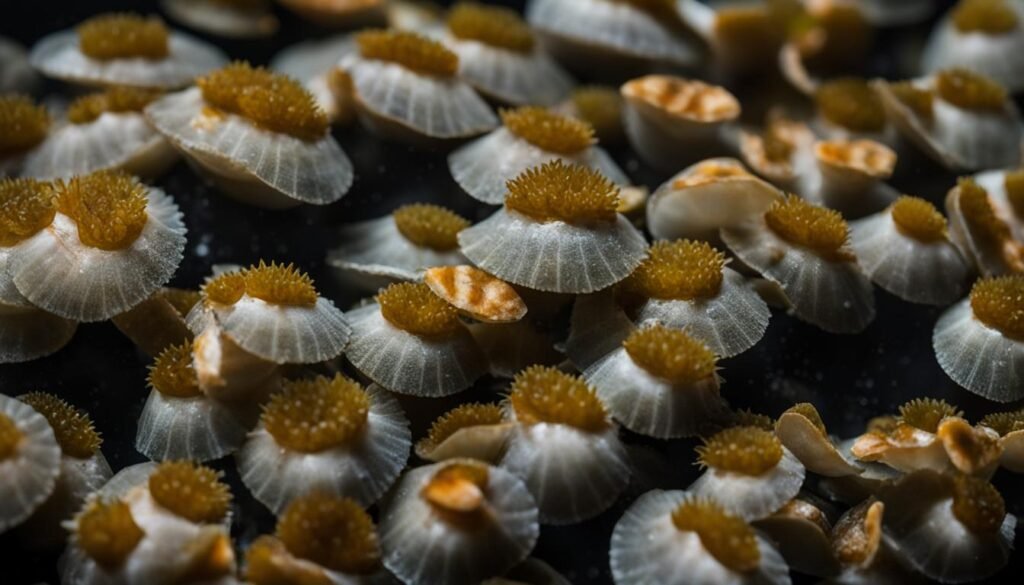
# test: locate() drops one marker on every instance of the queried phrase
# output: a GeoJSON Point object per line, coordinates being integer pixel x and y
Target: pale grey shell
{"type": "Point", "coordinates": [222, 19]}
{"type": "Point", "coordinates": [429, 106]}
{"type": "Point", "coordinates": [78, 479]}
{"type": "Point", "coordinates": [648, 549]}
{"type": "Point", "coordinates": [850, 192]}
{"type": "Point", "coordinates": [408, 364]}
{"type": "Point", "coordinates": [554, 256]}
{"type": "Point", "coordinates": [27, 333]}
{"type": "Point", "coordinates": [483, 167]}
{"type": "Point", "coordinates": [113, 141]}
{"type": "Point", "coordinates": [835, 296]}
{"type": "Point", "coordinates": [59, 274]}
{"type": "Point", "coordinates": [669, 142]}
{"type": "Point", "coordinates": [648, 405]}
{"type": "Point", "coordinates": [597, 327]}
{"type": "Point", "coordinates": [197, 428]}
{"type": "Point", "coordinates": [753, 497]}
{"type": "Point", "coordinates": [515, 78]}
{"type": "Point", "coordinates": [285, 334]}
{"type": "Point", "coordinates": [230, 147]}
{"type": "Point", "coordinates": [978, 357]}
{"type": "Point", "coordinates": [573, 474]}
{"type": "Point", "coordinates": [999, 56]}
{"type": "Point", "coordinates": [57, 55]}
{"type": "Point", "coordinates": [420, 548]}
{"type": "Point", "coordinates": [30, 474]}
{"type": "Point", "coordinates": [308, 59]}
{"type": "Point", "coordinates": [362, 471]}
{"type": "Point", "coordinates": [932, 273]}
{"type": "Point", "coordinates": [16, 74]}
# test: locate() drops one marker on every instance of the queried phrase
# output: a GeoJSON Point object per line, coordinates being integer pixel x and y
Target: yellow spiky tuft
{"type": "Point", "coordinates": [969, 90]}
{"type": "Point", "coordinates": [107, 532]}
{"type": "Point", "coordinates": [927, 413]}
{"type": "Point", "coordinates": [1014, 184]}
{"type": "Point", "coordinates": [225, 289]}
{"type": "Point", "coordinates": [979, 214]}
{"type": "Point", "coordinates": [491, 25]}
{"type": "Point", "coordinates": [748, 418]}
{"type": "Point", "coordinates": [999, 303]}
{"type": "Point", "coordinates": [280, 284]}
{"type": "Point", "coordinates": [430, 226]}
{"type": "Point", "coordinates": [682, 269]}
{"type": "Point", "coordinates": [316, 414]}
{"type": "Point", "coordinates": [269, 100]}
{"type": "Point", "coordinates": [601, 107]}
{"type": "Point", "coordinates": [331, 531]}
{"type": "Point", "coordinates": [413, 307]}
{"type": "Point", "coordinates": [670, 354]}
{"type": "Point", "coordinates": [920, 101]}
{"type": "Point", "coordinates": [542, 394]}
{"type": "Point", "coordinates": [822, 230]}
{"type": "Point", "coordinates": [172, 373]}
{"type": "Point", "coordinates": [570, 193]}
{"type": "Point", "coordinates": [72, 426]}
{"type": "Point", "coordinates": [410, 50]}
{"type": "Point", "coordinates": [808, 411]}
{"type": "Point", "coordinates": [115, 100]}
{"type": "Point", "coordinates": [26, 207]}
{"type": "Point", "coordinates": [109, 208]}
{"type": "Point", "coordinates": [192, 491]}
{"type": "Point", "coordinates": [23, 124]}
{"type": "Point", "coordinates": [978, 504]}
{"type": "Point", "coordinates": [547, 130]}
{"type": "Point", "coordinates": [918, 219]}
{"type": "Point", "coordinates": [10, 437]}
{"type": "Point", "coordinates": [458, 491]}
{"type": "Point", "coordinates": [123, 36]}
{"type": "Point", "coordinates": [851, 103]}
{"type": "Point", "coordinates": [1005, 423]}
{"type": "Point", "coordinates": [461, 417]}
{"type": "Point", "coordinates": [746, 450]}
{"type": "Point", "coordinates": [726, 537]}
{"type": "Point", "coordinates": [993, 17]}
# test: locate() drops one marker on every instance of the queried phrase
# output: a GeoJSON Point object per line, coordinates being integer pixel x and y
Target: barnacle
{"type": "Point", "coordinates": [918, 219]}
{"type": "Point", "coordinates": [726, 537]}
{"type": "Point", "coordinates": [1014, 184]}
{"type": "Point", "coordinates": [457, 489]}
{"type": "Point", "coordinates": [280, 284]}
{"type": "Point", "coordinates": [121, 36]}
{"type": "Point", "coordinates": [226, 289]}
{"type": "Point", "coordinates": [543, 394]}
{"type": "Point", "coordinates": [670, 354]}
{"type": "Point", "coordinates": [920, 101]}
{"type": "Point", "coordinates": [172, 373]}
{"type": "Point", "coordinates": [431, 226]}
{"type": "Point", "coordinates": [109, 208]}
{"type": "Point", "coordinates": [490, 25]}
{"type": "Point", "coordinates": [331, 531]}
{"type": "Point", "coordinates": [807, 410]}
{"type": "Point", "coordinates": [852, 103]}
{"type": "Point", "coordinates": [1004, 423]}
{"type": "Point", "coordinates": [26, 207]}
{"type": "Point", "coordinates": [192, 491]}
{"type": "Point", "coordinates": [23, 124]}
{"type": "Point", "coordinates": [410, 50]}
{"type": "Point", "coordinates": [413, 307]}
{"type": "Point", "coordinates": [10, 437]}
{"type": "Point", "coordinates": [970, 90]}
{"type": "Point", "coordinates": [461, 417]}
{"type": "Point", "coordinates": [72, 426]}
{"type": "Point", "coordinates": [547, 130]}
{"type": "Point", "coordinates": [107, 532]}
{"type": "Point", "coordinates": [746, 450]}
{"type": "Point", "coordinates": [114, 100]}
{"type": "Point", "coordinates": [984, 16]}
{"type": "Point", "coordinates": [317, 414]}
{"type": "Point", "coordinates": [685, 98]}
{"type": "Point", "coordinates": [570, 193]}
{"type": "Point", "coordinates": [927, 413]}
{"type": "Point", "coordinates": [979, 214]}
{"type": "Point", "coordinates": [818, 228]}
{"type": "Point", "coordinates": [683, 269]}
{"type": "Point", "coordinates": [777, 143]}
{"type": "Point", "coordinates": [600, 106]}
{"type": "Point", "coordinates": [999, 303]}
{"type": "Point", "coordinates": [977, 504]}
{"type": "Point", "coordinates": [856, 535]}
{"type": "Point", "coordinates": [270, 100]}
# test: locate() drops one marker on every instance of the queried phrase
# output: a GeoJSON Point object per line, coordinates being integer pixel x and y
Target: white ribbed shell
{"type": "Point", "coordinates": [78, 479]}
{"type": "Point", "coordinates": [221, 19]}
{"type": "Point", "coordinates": [30, 474]}
{"type": "Point", "coordinates": [511, 77]}
{"type": "Point", "coordinates": [977, 357]}
{"type": "Point", "coordinates": [597, 327]}
{"type": "Point", "coordinates": [27, 333]}
{"type": "Point", "coordinates": [999, 56]}
{"type": "Point", "coordinates": [753, 497]}
{"type": "Point", "coordinates": [198, 428]}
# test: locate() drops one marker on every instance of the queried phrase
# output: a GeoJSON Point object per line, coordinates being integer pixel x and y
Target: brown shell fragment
{"type": "Point", "coordinates": [156, 323]}
{"type": "Point", "coordinates": [476, 293]}
{"type": "Point", "coordinates": [972, 450]}
{"type": "Point", "coordinates": [812, 446]}
{"type": "Point", "coordinates": [803, 535]}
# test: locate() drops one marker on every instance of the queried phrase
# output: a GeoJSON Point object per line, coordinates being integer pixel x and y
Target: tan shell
{"type": "Point", "coordinates": [153, 325]}
{"type": "Point", "coordinates": [812, 447]}
{"type": "Point", "coordinates": [972, 450]}
{"type": "Point", "coordinates": [857, 535]}
{"type": "Point", "coordinates": [476, 293]}
{"type": "Point", "coordinates": [802, 532]}
{"type": "Point", "coordinates": [751, 145]}
{"type": "Point", "coordinates": [990, 262]}
{"type": "Point", "coordinates": [857, 159]}
{"type": "Point", "coordinates": [955, 446]}
{"type": "Point", "coordinates": [686, 99]}
{"type": "Point", "coordinates": [1013, 451]}
{"type": "Point", "coordinates": [482, 442]}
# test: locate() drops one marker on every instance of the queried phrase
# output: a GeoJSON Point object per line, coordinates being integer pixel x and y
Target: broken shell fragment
{"type": "Point", "coordinates": [474, 431]}
{"type": "Point", "coordinates": [981, 228]}
{"type": "Point", "coordinates": [801, 430]}
{"type": "Point", "coordinates": [476, 294]}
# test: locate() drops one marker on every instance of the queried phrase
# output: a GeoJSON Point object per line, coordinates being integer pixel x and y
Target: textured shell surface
{"type": "Point", "coordinates": [533, 78]}
{"type": "Point", "coordinates": [977, 357]}
{"type": "Point", "coordinates": [999, 56]}
{"type": "Point", "coordinates": [31, 473]}
{"type": "Point", "coordinates": [476, 293]}
{"type": "Point", "coordinates": [308, 59]}
{"type": "Point", "coordinates": [28, 333]}
{"type": "Point", "coordinates": [197, 428]}
{"type": "Point", "coordinates": [221, 19]}
{"type": "Point", "coordinates": [598, 326]}
{"type": "Point", "coordinates": [753, 497]}
{"type": "Point", "coordinates": [78, 479]}
{"type": "Point", "coordinates": [285, 334]}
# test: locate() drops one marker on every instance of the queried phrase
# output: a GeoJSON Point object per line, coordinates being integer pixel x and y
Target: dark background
{"type": "Point", "coordinates": [849, 378]}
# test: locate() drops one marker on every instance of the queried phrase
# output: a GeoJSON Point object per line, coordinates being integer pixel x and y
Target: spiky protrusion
{"type": "Point", "coordinates": [851, 103]}
{"type": "Point", "coordinates": [109, 208]}
{"type": "Point", "coordinates": [72, 426]}
{"type": "Point", "coordinates": [726, 537]}
{"type": "Point", "coordinates": [547, 130]}
{"type": "Point", "coordinates": [1005, 423]}
{"type": "Point", "coordinates": [331, 531]}
{"type": "Point", "coordinates": [491, 25]}
{"type": "Point", "coordinates": [107, 532]}
{"type": "Point", "coordinates": [312, 415]}
{"type": "Point", "coordinates": [926, 413]}
{"type": "Point", "coordinates": [279, 284]}
{"type": "Point", "coordinates": [460, 417]}
{"type": "Point", "coordinates": [413, 307]}
{"type": "Point", "coordinates": [746, 450]}
{"type": "Point", "coordinates": [556, 191]}
{"type": "Point", "coordinates": [999, 303]}
{"type": "Point", "coordinates": [546, 395]}
{"type": "Point", "coordinates": [430, 226]}
{"type": "Point", "coordinates": [410, 50]}
{"type": "Point", "coordinates": [822, 230]}
{"type": "Point", "coordinates": [670, 354]}
{"type": "Point", "coordinates": [977, 504]}
{"type": "Point", "coordinates": [23, 124]}
{"type": "Point", "coordinates": [123, 36]}
{"type": "Point", "coordinates": [918, 219]}
{"type": "Point", "coordinates": [172, 373]}
{"type": "Point", "coordinates": [681, 270]}
{"type": "Point", "coordinates": [192, 491]}
{"type": "Point", "coordinates": [969, 90]}
{"type": "Point", "coordinates": [26, 207]}
{"type": "Point", "coordinates": [115, 100]}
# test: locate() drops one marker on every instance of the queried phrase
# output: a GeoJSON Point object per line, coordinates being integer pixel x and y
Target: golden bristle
{"type": "Point", "coordinates": [601, 107]}
{"type": "Point", "coordinates": [819, 229]}
{"type": "Point", "coordinates": [1014, 184]}
{"type": "Point", "coordinates": [72, 426]}
{"type": "Point", "coordinates": [926, 413]}
{"type": "Point", "coordinates": [225, 289]}
{"type": "Point", "coordinates": [107, 532]}
{"type": "Point", "coordinates": [999, 303]}
{"type": "Point", "coordinates": [280, 284]}
{"type": "Point", "coordinates": [918, 219]}
{"type": "Point", "coordinates": [192, 491]}
{"type": "Point", "coordinates": [312, 415]}
{"type": "Point", "coordinates": [331, 531]}
{"type": "Point", "coordinates": [808, 411]}
{"type": "Point", "coordinates": [10, 437]}
{"type": "Point", "coordinates": [182, 299]}
{"type": "Point", "coordinates": [172, 373]}
{"type": "Point", "coordinates": [123, 36]}
{"type": "Point", "coordinates": [109, 208]}
{"type": "Point", "coordinates": [490, 25]}
{"type": "Point", "coordinates": [457, 491]}
{"type": "Point", "coordinates": [26, 207]}
{"type": "Point", "coordinates": [969, 90]}
{"type": "Point", "coordinates": [726, 537]}
{"type": "Point", "coordinates": [748, 418]}
{"type": "Point", "coordinates": [992, 17]}
{"type": "Point", "coordinates": [920, 101]}
{"type": "Point", "coordinates": [543, 394]}
{"type": "Point", "coordinates": [977, 504]}
{"type": "Point", "coordinates": [410, 50]}
{"type": "Point", "coordinates": [413, 307]}
{"type": "Point", "coordinates": [746, 450]}
{"type": "Point", "coordinates": [547, 130]}
{"type": "Point", "coordinates": [670, 354]}
{"type": "Point", "coordinates": [269, 100]}
{"type": "Point", "coordinates": [461, 417]}
{"type": "Point", "coordinates": [556, 191]}
{"type": "Point", "coordinates": [851, 103]}
{"type": "Point", "coordinates": [430, 226]}
{"type": "Point", "coordinates": [23, 124]}
{"type": "Point", "coordinates": [1005, 423]}
{"type": "Point", "coordinates": [114, 100]}
{"type": "Point", "coordinates": [683, 270]}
